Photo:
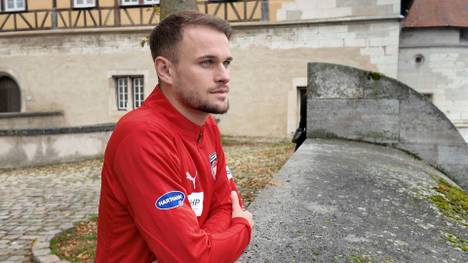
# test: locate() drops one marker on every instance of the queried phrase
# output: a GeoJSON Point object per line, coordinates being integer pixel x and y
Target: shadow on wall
{"type": "Point", "coordinates": [349, 103]}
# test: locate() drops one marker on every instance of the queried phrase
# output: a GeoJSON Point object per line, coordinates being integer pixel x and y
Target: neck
{"type": "Point", "coordinates": [195, 116]}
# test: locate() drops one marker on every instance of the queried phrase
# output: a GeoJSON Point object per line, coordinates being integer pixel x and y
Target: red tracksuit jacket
{"type": "Point", "coordinates": [165, 192]}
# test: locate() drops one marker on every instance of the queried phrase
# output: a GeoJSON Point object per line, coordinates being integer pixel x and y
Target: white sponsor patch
{"type": "Point", "coordinates": [196, 201]}
{"type": "Point", "coordinates": [228, 173]}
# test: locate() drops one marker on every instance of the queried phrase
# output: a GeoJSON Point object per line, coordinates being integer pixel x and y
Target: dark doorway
{"type": "Point", "coordinates": [405, 6]}
{"type": "Point", "coordinates": [300, 134]}
{"type": "Point", "coordinates": [10, 97]}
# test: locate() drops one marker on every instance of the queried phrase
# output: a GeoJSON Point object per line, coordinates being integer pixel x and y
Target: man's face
{"type": "Point", "coordinates": [201, 76]}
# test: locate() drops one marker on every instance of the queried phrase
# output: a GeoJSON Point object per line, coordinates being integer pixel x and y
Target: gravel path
{"type": "Point", "coordinates": [36, 202]}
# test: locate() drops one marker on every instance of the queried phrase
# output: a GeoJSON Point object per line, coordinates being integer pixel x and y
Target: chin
{"type": "Point", "coordinates": [220, 110]}
{"type": "Point", "coordinates": [214, 109]}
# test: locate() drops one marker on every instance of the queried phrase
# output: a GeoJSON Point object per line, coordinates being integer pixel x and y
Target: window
{"type": "Point", "coordinates": [137, 2]}
{"type": "Point", "coordinates": [84, 3]}
{"type": "Point", "coordinates": [129, 2]}
{"type": "Point", "coordinates": [15, 5]}
{"type": "Point", "coordinates": [429, 97]}
{"type": "Point", "coordinates": [151, 2]}
{"type": "Point", "coordinates": [464, 34]}
{"type": "Point", "coordinates": [122, 93]}
{"type": "Point", "coordinates": [138, 94]}
{"type": "Point", "coordinates": [419, 59]}
{"type": "Point", "coordinates": [129, 86]}
{"type": "Point", "coordinates": [405, 7]}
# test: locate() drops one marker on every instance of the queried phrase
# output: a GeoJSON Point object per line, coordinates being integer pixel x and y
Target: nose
{"type": "Point", "coordinates": [222, 74]}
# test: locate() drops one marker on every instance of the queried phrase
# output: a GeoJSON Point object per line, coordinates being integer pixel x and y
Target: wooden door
{"type": "Point", "coordinates": [10, 97]}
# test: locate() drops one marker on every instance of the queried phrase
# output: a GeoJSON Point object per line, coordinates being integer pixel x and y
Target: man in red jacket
{"type": "Point", "coordinates": [166, 192]}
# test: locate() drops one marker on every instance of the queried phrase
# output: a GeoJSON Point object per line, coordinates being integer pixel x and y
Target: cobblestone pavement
{"type": "Point", "coordinates": [36, 202]}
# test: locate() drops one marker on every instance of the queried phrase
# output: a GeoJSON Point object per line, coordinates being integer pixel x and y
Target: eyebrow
{"type": "Point", "coordinates": [215, 57]}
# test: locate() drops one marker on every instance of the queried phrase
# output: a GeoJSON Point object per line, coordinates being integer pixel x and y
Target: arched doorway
{"type": "Point", "coordinates": [10, 97]}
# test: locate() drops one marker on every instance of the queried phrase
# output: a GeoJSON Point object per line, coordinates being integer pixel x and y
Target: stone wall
{"type": "Point", "coordinates": [319, 9]}
{"type": "Point", "coordinates": [72, 71]}
{"type": "Point", "coordinates": [30, 120]}
{"type": "Point", "coordinates": [270, 64]}
{"type": "Point", "coordinates": [435, 62]}
{"type": "Point", "coordinates": [28, 147]}
{"type": "Point", "coordinates": [345, 102]}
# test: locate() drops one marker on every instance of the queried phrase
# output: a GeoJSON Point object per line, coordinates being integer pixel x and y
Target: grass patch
{"type": "Point", "coordinates": [253, 164]}
{"type": "Point", "coordinates": [77, 244]}
{"type": "Point", "coordinates": [360, 259]}
{"type": "Point", "coordinates": [457, 242]}
{"type": "Point", "coordinates": [452, 202]}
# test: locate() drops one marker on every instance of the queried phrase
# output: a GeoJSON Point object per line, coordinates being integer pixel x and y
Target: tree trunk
{"type": "Point", "coordinates": [172, 6]}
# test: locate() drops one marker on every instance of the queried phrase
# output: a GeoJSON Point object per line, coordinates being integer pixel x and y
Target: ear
{"type": "Point", "coordinates": [164, 69]}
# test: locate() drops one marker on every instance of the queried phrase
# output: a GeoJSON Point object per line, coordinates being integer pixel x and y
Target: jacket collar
{"type": "Point", "coordinates": [158, 102]}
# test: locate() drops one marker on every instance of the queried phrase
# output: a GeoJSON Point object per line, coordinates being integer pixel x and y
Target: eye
{"type": "Point", "coordinates": [227, 63]}
{"type": "Point", "coordinates": [207, 62]}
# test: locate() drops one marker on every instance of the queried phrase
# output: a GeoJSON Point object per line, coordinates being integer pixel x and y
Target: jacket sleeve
{"type": "Point", "coordinates": [147, 167]}
{"type": "Point", "coordinates": [221, 208]}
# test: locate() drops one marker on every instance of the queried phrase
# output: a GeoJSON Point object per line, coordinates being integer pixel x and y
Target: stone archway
{"type": "Point", "coordinates": [10, 96]}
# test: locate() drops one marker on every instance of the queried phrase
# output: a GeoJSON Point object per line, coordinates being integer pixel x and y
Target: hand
{"type": "Point", "coordinates": [237, 210]}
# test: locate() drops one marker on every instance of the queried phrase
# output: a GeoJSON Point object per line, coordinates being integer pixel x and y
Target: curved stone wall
{"type": "Point", "coordinates": [349, 103]}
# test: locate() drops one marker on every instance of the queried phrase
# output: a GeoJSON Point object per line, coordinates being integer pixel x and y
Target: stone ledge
{"type": "Point", "coordinates": [338, 200]}
{"type": "Point", "coordinates": [60, 130]}
{"type": "Point", "coordinates": [414, 125]}
{"type": "Point", "coordinates": [427, 45]}
{"type": "Point", "coordinates": [11, 115]}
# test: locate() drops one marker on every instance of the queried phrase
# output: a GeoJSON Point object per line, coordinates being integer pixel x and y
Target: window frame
{"type": "Point", "coordinates": [139, 3]}
{"type": "Point", "coordinates": [134, 91]}
{"type": "Point", "coordinates": [122, 3]}
{"type": "Point", "coordinates": [5, 8]}
{"type": "Point", "coordinates": [121, 99]}
{"type": "Point", "coordinates": [79, 6]}
{"type": "Point", "coordinates": [145, 2]}
{"type": "Point", "coordinates": [138, 96]}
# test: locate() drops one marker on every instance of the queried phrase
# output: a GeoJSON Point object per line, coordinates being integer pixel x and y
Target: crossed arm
{"type": "Point", "coordinates": [175, 235]}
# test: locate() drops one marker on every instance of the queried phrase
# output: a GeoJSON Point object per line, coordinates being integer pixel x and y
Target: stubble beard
{"type": "Point", "coordinates": [193, 100]}
{"type": "Point", "coordinates": [213, 108]}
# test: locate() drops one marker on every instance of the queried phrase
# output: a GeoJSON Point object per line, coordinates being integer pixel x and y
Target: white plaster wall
{"type": "Point", "coordinates": [463, 129]}
{"type": "Point", "coordinates": [377, 40]}
{"type": "Point", "coordinates": [320, 9]}
{"type": "Point", "coordinates": [443, 72]}
{"type": "Point", "coordinates": [429, 37]}
{"type": "Point", "coordinates": [73, 72]}
{"type": "Point", "coordinates": [270, 61]}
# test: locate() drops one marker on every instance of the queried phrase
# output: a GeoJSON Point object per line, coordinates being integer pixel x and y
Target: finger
{"type": "Point", "coordinates": [235, 201]}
